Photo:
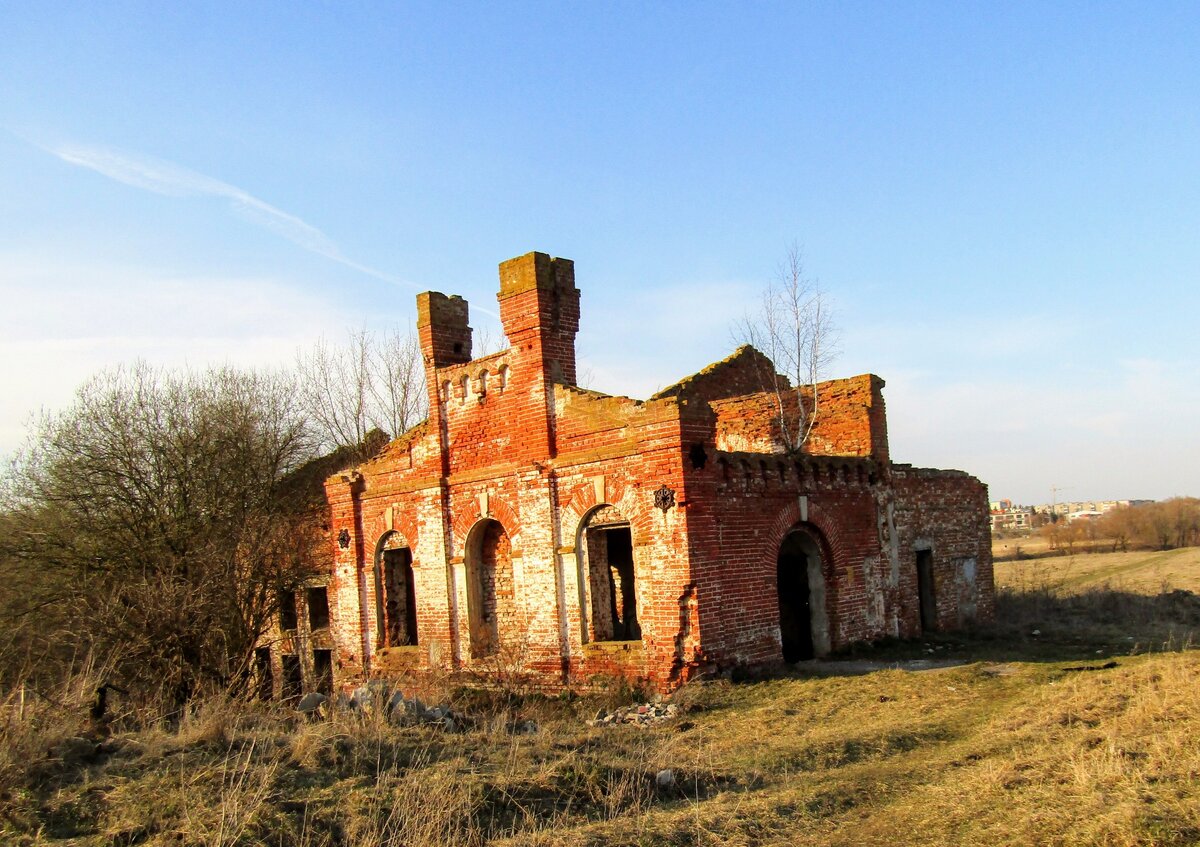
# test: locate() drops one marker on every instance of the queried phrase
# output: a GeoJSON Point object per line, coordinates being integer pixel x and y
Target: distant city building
{"type": "Point", "coordinates": [1007, 515]}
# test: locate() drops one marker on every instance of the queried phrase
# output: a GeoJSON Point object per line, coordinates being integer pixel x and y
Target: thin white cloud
{"type": "Point", "coordinates": [76, 319]}
{"type": "Point", "coordinates": [169, 179]}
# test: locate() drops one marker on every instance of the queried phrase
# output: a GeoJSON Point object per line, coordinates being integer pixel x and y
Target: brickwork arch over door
{"type": "Point", "coordinates": [492, 611]}
{"type": "Point", "coordinates": [395, 593]}
{"type": "Point", "coordinates": [608, 597]}
{"type": "Point", "coordinates": [800, 569]}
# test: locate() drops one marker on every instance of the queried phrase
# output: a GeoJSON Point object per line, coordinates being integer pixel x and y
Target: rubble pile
{"type": "Point", "coordinates": [639, 714]}
{"type": "Point", "coordinates": [373, 697]}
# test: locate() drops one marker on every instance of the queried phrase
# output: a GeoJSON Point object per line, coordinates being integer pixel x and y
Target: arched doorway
{"type": "Point", "coordinates": [395, 594]}
{"type": "Point", "coordinates": [607, 578]}
{"type": "Point", "coordinates": [800, 578]}
{"type": "Point", "coordinates": [491, 599]}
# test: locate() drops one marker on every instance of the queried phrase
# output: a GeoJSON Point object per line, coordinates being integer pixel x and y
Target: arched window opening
{"type": "Point", "coordinates": [608, 579]}
{"type": "Point", "coordinates": [465, 384]}
{"type": "Point", "coordinates": [491, 596]}
{"type": "Point", "coordinates": [483, 382]}
{"type": "Point", "coordinates": [803, 619]}
{"type": "Point", "coordinates": [395, 594]}
{"type": "Point", "coordinates": [502, 377]}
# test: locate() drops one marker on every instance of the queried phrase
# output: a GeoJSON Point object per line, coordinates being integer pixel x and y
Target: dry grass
{"type": "Point", "coordinates": [1139, 572]}
{"type": "Point", "coordinates": [1030, 750]}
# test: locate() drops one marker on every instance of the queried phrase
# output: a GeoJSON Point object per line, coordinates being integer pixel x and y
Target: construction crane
{"type": "Point", "coordinates": [1054, 489]}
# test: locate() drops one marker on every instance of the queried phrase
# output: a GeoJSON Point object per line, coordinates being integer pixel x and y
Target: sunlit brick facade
{"type": "Point", "coordinates": [531, 526]}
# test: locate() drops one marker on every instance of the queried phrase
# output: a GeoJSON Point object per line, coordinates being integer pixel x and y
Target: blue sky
{"type": "Point", "coordinates": [1002, 200]}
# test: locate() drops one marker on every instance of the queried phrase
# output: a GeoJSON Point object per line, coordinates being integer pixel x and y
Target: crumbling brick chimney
{"type": "Point", "coordinates": [539, 308]}
{"type": "Point", "coordinates": [442, 328]}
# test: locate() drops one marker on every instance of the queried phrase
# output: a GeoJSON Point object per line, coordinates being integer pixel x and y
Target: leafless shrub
{"type": "Point", "coordinates": [164, 508]}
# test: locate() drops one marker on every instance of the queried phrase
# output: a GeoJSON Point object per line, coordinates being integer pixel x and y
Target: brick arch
{"type": "Point", "coordinates": [789, 518]}
{"type": "Point", "coordinates": [584, 502]}
{"type": "Point", "coordinates": [466, 518]}
{"type": "Point", "coordinates": [583, 499]}
{"type": "Point", "coordinates": [403, 524]}
{"type": "Point", "coordinates": [828, 536]}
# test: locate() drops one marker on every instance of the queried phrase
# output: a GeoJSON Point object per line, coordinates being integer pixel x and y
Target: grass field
{"type": "Point", "coordinates": [1142, 572]}
{"type": "Point", "coordinates": [1011, 737]}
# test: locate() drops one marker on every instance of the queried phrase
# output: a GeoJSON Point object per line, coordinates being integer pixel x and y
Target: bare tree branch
{"type": "Point", "coordinates": [793, 328]}
{"type": "Point", "coordinates": [372, 382]}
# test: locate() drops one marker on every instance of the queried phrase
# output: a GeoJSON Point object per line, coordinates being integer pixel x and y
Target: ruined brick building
{"type": "Point", "coordinates": [529, 524]}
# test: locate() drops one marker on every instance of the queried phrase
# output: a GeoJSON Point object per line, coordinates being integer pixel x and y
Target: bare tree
{"type": "Point", "coordinates": [793, 327]}
{"type": "Point", "coordinates": [170, 514]}
{"type": "Point", "coordinates": [372, 382]}
{"type": "Point", "coordinates": [398, 395]}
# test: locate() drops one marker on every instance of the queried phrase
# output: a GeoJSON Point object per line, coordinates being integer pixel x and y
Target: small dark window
{"type": "Point", "coordinates": [287, 610]}
{"type": "Point", "coordinates": [698, 456]}
{"type": "Point", "coordinates": [926, 592]}
{"type": "Point", "coordinates": [323, 671]}
{"type": "Point", "coordinates": [264, 677]}
{"type": "Point", "coordinates": [293, 679]}
{"type": "Point", "coordinates": [318, 607]}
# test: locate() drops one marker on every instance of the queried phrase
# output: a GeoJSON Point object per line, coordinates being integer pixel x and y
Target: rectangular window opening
{"type": "Point", "coordinates": [318, 607]}
{"type": "Point", "coordinates": [293, 677]}
{"type": "Point", "coordinates": [323, 671]}
{"type": "Point", "coordinates": [925, 591]}
{"type": "Point", "coordinates": [288, 619]}
{"type": "Point", "coordinates": [264, 676]}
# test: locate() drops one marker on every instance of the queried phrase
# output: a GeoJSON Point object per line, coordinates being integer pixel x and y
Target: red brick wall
{"type": "Point", "coordinates": [540, 457]}
{"type": "Point", "coordinates": [945, 512]}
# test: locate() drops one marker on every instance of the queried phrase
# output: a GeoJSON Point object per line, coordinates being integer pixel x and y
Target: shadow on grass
{"type": "Point", "coordinates": [1048, 624]}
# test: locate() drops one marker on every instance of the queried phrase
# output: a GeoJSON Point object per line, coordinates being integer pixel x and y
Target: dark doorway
{"type": "Point", "coordinates": [609, 579]}
{"type": "Point", "coordinates": [795, 598]}
{"type": "Point", "coordinates": [625, 626]}
{"type": "Point", "coordinates": [491, 599]}
{"type": "Point", "coordinates": [925, 590]}
{"type": "Point", "coordinates": [293, 678]}
{"type": "Point", "coordinates": [263, 675]}
{"type": "Point", "coordinates": [323, 671]}
{"type": "Point", "coordinates": [399, 602]}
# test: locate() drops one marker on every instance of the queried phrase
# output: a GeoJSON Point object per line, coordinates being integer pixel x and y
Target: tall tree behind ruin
{"type": "Point", "coordinates": [793, 327]}
{"type": "Point", "coordinates": [371, 382]}
{"type": "Point", "coordinates": [168, 513]}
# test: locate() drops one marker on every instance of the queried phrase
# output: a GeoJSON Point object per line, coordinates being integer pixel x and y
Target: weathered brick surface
{"type": "Point", "coordinates": [494, 496]}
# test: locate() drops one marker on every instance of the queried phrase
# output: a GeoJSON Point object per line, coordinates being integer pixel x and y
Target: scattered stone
{"type": "Point", "coordinates": [361, 699]}
{"type": "Point", "coordinates": [639, 714]}
{"type": "Point", "coordinates": [665, 778]}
